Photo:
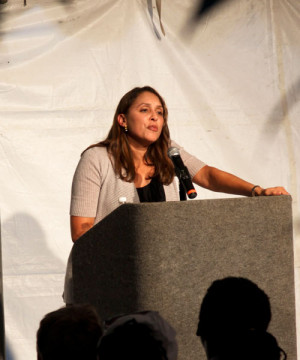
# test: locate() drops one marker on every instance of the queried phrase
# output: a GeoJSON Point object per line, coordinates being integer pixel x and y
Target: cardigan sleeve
{"type": "Point", "coordinates": [86, 185]}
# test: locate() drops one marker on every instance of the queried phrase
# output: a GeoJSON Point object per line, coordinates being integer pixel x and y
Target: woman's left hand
{"type": "Point", "coordinates": [274, 191]}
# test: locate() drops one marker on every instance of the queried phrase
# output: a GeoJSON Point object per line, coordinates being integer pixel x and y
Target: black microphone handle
{"type": "Point", "coordinates": [184, 176]}
{"type": "Point", "coordinates": [177, 161]}
{"type": "Point", "coordinates": [188, 184]}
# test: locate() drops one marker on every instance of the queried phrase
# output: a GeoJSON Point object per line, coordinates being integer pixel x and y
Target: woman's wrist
{"type": "Point", "coordinates": [257, 191]}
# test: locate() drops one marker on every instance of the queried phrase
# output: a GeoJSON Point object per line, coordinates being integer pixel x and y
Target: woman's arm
{"type": "Point", "coordinates": [80, 225]}
{"type": "Point", "coordinates": [217, 180]}
{"type": "Point", "coordinates": [85, 192]}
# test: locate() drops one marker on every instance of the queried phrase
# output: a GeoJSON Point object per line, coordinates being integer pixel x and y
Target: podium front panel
{"type": "Point", "coordinates": [164, 256]}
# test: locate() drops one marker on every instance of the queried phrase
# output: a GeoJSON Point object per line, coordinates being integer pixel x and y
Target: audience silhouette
{"type": "Point", "coordinates": [71, 332]}
{"type": "Point", "coordinates": [144, 335]}
{"type": "Point", "coordinates": [233, 321]}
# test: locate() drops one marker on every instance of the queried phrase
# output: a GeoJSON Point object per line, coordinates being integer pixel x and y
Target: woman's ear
{"type": "Point", "coordinates": [122, 120]}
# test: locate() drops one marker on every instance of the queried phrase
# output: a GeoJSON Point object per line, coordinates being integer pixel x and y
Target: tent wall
{"type": "Point", "coordinates": [231, 83]}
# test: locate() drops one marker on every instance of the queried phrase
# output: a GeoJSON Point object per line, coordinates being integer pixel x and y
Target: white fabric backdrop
{"type": "Point", "coordinates": [231, 83]}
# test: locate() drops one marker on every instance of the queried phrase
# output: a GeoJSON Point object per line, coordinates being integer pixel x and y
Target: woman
{"type": "Point", "coordinates": [132, 162]}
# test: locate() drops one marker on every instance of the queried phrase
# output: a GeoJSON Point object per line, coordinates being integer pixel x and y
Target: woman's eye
{"type": "Point", "coordinates": [143, 110]}
{"type": "Point", "coordinates": [160, 113]}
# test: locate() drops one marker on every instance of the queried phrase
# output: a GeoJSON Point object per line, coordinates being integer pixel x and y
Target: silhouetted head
{"type": "Point", "coordinates": [144, 335]}
{"type": "Point", "coordinates": [230, 306]}
{"type": "Point", "coordinates": [250, 345]}
{"type": "Point", "coordinates": [71, 332]}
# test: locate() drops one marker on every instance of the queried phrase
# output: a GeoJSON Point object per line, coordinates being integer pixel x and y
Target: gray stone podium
{"type": "Point", "coordinates": [164, 256]}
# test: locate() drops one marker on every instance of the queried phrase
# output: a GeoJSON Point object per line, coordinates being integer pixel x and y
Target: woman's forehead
{"type": "Point", "coordinates": [147, 98]}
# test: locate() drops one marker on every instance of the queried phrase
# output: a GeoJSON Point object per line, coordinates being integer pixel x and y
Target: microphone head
{"type": "Point", "coordinates": [173, 151]}
{"type": "Point", "coordinates": [192, 194]}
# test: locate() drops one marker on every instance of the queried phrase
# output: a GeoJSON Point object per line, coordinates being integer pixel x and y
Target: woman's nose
{"type": "Point", "coordinates": [154, 115]}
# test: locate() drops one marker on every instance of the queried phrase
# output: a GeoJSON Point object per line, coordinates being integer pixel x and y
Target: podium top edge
{"type": "Point", "coordinates": [283, 198]}
{"type": "Point", "coordinates": [192, 204]}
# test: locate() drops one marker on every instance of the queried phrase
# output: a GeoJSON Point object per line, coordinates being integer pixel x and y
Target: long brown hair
{"type": "Point", "coordinates": [118, 147]}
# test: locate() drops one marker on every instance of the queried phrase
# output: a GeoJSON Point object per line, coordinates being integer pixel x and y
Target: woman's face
{"type": "Point", "coordinates": [144, 119]}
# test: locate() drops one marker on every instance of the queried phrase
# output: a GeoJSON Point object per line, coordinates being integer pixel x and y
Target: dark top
{"type": "Point", "coordinates": [153, 192]}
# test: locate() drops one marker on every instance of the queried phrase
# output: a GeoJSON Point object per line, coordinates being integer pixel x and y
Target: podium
{"type": "Point", "coordinates": [164, 256]}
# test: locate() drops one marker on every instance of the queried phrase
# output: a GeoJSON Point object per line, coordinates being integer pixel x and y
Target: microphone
{"type": "Point", "coordinates": [182, 172]}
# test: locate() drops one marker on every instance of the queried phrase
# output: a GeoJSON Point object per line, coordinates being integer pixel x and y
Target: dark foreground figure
{"type": "Point", "coordinates": [233, 321]}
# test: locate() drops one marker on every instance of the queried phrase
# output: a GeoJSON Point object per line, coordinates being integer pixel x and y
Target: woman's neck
{"type": "Point", "coordinates": [138, 153]}
{"type": "Point", "coordinates": [142, 170]}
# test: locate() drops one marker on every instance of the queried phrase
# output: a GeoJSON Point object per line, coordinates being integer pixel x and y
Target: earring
{"type": "Point", "coordinates": [126, 128]}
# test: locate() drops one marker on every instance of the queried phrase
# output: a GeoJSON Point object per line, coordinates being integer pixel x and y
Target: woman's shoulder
{"type": "Point", "coordinates": [175, 144]}
{"type": "Point", "coordinates": [96, 156]}
{"type": "Point", "coordinates": [95, 151]}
